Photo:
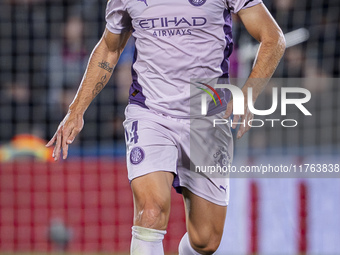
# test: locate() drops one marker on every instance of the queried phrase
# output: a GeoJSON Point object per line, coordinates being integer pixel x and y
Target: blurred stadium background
{"type": "Point", "coordinates": [84, 204]}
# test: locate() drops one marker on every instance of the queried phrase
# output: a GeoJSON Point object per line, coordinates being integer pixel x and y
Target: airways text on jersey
{"type": "Point", "coordinates": [170, 26]}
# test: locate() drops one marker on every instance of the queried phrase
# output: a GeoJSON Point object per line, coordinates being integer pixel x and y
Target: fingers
{"type": "Point", "coordinates": [57, 148]}
{"type": "Point", "coordinates": [241, 130]}
{"type": "Point", "coordinates": [63, 139]}
{"type": "Point", "coordinates": [68, 138]}
{"type": "Point", "coordinates": [51, 142]}
{"type": "Point", "coordinates": [246, 126]}
{"type": "Point", "coordinates": [236, 121]}
{"type": "Point", "coordinates": [72, 136]}
{"type": "Point", "coordinates": [228, 113]}
{"type": "Point", "coordinates": [229, 110]}
{"type": "Point", "coordinates": [243, 120]}
{"type": "Point", "coordinates": [66, 134]}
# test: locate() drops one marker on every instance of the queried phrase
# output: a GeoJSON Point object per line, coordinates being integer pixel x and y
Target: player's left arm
{"type": "Point", "coordinates": [261, 25]}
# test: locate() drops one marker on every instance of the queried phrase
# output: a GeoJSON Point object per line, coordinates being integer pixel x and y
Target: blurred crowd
{"type": "Point", "coordinates": [45, 46]}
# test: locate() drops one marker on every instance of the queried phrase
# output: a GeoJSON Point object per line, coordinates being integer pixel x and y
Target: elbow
{"type": "Point", "coordinates": [113, 48]}
{"type": "Point", "coordinates": [281, 43]}
{"type": "Point", "coordinates": [112, 51]}
{"type": "Point", "coordinates": [276, 42]}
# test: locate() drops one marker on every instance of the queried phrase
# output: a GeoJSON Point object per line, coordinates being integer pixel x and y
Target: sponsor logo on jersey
{"type": "Point", "coordinates": [172, 26]}
{"type": "Point", "coordinates": [168, 22]}
{"type": "Point", "coordinates": [137, 155]}
{"type": "Point", "coordinates": [171, 32]}
{"type": "Point", "coordinates": [197, 2]}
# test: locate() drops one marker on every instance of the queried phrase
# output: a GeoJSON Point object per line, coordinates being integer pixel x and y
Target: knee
{"type": "Point", "coordinates": [205, 243]}
{"type": "Point", "coordinates": [152, 215]}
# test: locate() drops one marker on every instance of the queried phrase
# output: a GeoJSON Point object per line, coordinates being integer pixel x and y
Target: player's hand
{"type": "Point", "coordinates": [67, 130]}
{"type": "Point", "coordinates": [243, 119]}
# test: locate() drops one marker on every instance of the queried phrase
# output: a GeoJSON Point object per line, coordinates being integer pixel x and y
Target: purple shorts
{"type": "Point", "coordinates": [156, 142]}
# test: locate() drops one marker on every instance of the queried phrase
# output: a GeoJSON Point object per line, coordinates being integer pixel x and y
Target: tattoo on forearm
{"type": "Point", "coordinates": [106, 66]}
{"type": "Point", "coordinates": [99, 86]}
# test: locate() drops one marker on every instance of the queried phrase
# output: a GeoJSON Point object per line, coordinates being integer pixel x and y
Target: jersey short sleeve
{"type": "Point", "coordinates": [117, 18]}
{"type": "Point", "coordinates": [236, 5]}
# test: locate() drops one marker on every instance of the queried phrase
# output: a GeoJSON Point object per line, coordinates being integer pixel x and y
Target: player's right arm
{"type": "Point", "coordinates": [102, 61]}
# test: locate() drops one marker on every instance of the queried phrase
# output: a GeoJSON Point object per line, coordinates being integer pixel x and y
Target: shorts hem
{"type": "Point", "coordinates": [204, 196]}
{"type": "Point", "coordinates": [150, 172]}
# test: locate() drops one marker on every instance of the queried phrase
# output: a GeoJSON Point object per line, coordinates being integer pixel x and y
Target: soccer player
{"type": "Point", "coordinates": [176, 41]}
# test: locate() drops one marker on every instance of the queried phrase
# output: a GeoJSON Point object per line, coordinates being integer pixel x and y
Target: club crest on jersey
{"type": "Point", "coordinates": [197, 2]}
{"type": "Point", "coordinates": [144, 1]}
{"type": "Point", "coordinates": [136, 155]}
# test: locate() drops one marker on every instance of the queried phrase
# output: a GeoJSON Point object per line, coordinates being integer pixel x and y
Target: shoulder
{"type": "Point", "coordinates": [115, 5]}
{"type": "Point", "coordinates": [236, 5]}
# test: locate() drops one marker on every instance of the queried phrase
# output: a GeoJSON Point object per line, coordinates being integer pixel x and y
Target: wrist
{"type": "Point", "coordinates": [254, 92]}
{"type": "Point", "coordinates": [74, 109]}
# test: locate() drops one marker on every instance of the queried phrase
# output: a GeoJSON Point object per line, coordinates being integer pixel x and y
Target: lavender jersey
{"type": "Point", "coordinates": [176, 41]}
